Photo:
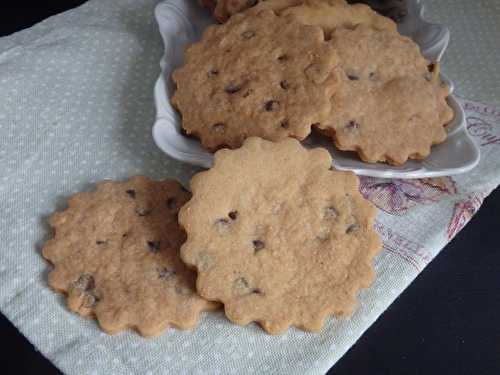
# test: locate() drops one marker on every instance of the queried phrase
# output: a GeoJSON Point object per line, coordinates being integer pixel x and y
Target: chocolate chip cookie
{"type": "Point", "coordinates": [116, 256]}
{"type": "Point", "coordinates": [256, 75]}
{"type": "Point", "coordinates": [389, 104]}
{"type": "Point", "coordinates": [278, 236]}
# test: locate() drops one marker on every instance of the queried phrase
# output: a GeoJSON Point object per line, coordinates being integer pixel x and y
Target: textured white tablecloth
{"type": "Point", "coordinates": [76, 107]}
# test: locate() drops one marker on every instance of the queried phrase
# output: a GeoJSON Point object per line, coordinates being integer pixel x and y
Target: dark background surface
{"type": "Point", "coordinates": [446, 322]}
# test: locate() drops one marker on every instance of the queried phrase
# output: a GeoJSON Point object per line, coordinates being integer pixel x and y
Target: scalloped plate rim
{"type": "Point", "coordinates": [166, 129]}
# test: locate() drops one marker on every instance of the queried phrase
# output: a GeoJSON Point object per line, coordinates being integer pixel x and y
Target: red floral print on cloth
{"type": "Point", "coordinates": [463, 212]}
{"type": "Point", "coordinates": [396, 197]}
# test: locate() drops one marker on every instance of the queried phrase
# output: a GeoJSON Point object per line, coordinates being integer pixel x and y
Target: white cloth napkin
{"type": "Point", "coordinates": [76, 106]}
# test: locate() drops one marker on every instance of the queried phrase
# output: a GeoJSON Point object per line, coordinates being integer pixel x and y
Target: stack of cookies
{"type": "Point", "coordinates": [283, 68]}
{"type": "Point", "coordinates": [271, 232]}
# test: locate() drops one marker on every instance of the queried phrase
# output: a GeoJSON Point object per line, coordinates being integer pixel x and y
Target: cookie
{"type": "Point", "coordinates": [278, 236]}
{"type": "Point", "coordinates": [332, 14]}
{"type": "Point", "coordinates": [388, 106]}
{"type": "Point", "coordinates": [116, 256]}
{"type": "Point", "coordinates": [256, 75]}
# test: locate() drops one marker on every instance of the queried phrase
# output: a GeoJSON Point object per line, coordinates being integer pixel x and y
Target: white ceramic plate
{"type": "Point", "coordinates": [181, 22]}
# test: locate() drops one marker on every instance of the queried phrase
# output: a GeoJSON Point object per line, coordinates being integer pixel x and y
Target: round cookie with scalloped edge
{"type": "Point", "coordinates": [278, 236]}
{"type": "Point", "coordinates": [256, 75]}
{"type": "Point", "coordinates": [115, 253]}
{"type": "Point", "coordinates": [390, 104]}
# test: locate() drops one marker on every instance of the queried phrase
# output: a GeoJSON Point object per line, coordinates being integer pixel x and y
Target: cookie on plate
{"type": "Point", "coordinates": [278, 236]}
{"type": "Point", "coordinates": [388, 105]}
{"type": "Point", "coordinates": [116, 256]}
{"type": "Point", "coordinates": [256, 75]}
{"type": "Point", "coordinates": [332, 14]}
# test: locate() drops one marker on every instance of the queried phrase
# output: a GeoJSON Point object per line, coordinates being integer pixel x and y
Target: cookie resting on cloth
{"type": "Point", "coordinates": [278, 236]}
{"type": "Point", "coordinates": [256, 75]}
{"type": "Point", "coordinates": [387, 106]}
{"type": "Point", "coordinates": [116, 256]}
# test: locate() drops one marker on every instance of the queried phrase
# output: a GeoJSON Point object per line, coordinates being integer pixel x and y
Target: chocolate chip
{"type": "Point", "coordinates": [353, 77]}
{"type": "Point", "coordinates": [331, 212]}
{"type": "Point", "coordinates": [154, 246]}
{"type": "Point", "coordinates": [241, 281]}
{"type": "Point", "coordinates": [171, 203]}
{"type": "Point", "coordinates": [371, 75]}
{"type": "Point", "coordinates": [248, 34]}
{"type": "Point", "coordinates": [232, 88]}
{"type": "Point", "coordinates": [99, 242]}
{"type": "Point", "coordinates": [272, 105]}
{"type": "Point", "coordinates": [213, 73]}
{"type": "Point", "coordinates": [285, 124]}
{"type": "Point", "coordinates": [352, 228]}
{"type": "Point", "coordinates": [431, 67]}
{"type": "Point", "coordinates": [233, 215]}
{"type": "Point", "coordinates": [164, 273]}
{"type": "Point", "coordinates": [141, 211]}
{"type": "Point", "coordinates": [285, 85]}
{"type": "Point", "coordinates": [352, 125]}
{"type": "Point", "coordinates": [124, 235]}
{"type": "Point", "coordinates": [131, 193]}
{"type": "Point", "coordinates": [282, 58]}
{"type": "Point", "coordinates": [258, 245]}
{"type": "Point", "coordinates": [257, 291]}
{"type": "Point", "coordinates": [246, 93]}
{"type": "Point", "coordinates": [219, 127]}
{"type": "Point", "coordinates": [85, 282]}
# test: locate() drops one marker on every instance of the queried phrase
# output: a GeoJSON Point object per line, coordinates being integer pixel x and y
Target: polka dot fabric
{"type": "Point", "coordinates": [76, 107]}
{"type": "Point", "coordinates": [472, 58]}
